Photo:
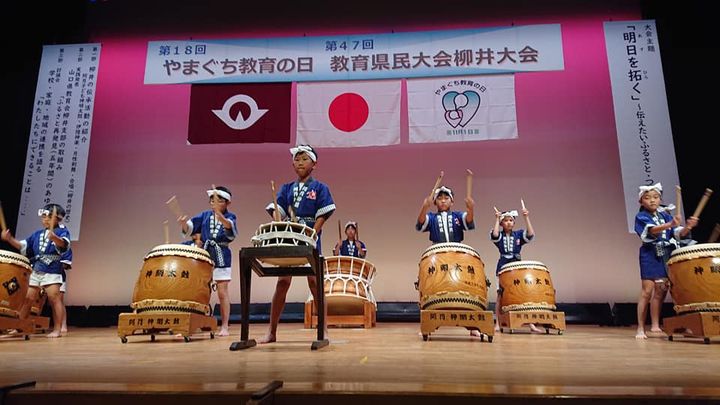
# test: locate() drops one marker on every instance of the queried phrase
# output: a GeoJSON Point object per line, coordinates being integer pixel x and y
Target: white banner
{"type": "Point", "coordinates": [57, 152]}
{"type": "Point", "coordinates": [458, 109]}
{"type": "Point", "coordinates": [642, 120]}
{"type": "Point", "coordinates": [528, 48]}
{"type": "Point", "coordinates": [345, 114]}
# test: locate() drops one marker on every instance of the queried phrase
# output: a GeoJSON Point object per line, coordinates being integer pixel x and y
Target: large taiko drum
{"type": "Point", "coordinates": [452, 276]}
{"type": "Point", "coordinates": [14, 282]}
{"type": "Point", "coordinates": [526, 285]}
{"type": "Point", "coordinates": [694, 273]}
{"type": "Point", "coordinates": [174, 278]}
{"type": "Point", "coordinates": [284, 234]}
{"type": "Point", "coordinates": [348, 282]}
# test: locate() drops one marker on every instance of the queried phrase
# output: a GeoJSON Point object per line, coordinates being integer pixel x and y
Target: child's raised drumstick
{"type": "Point", "coordinates": [167, 232]}
{"type": "Point", "coordinates": [468, 180]}
{"type": "Point", "coordinates": [339, 231]}
{"type": "Point", "coordinates": [522, 204]}
{"type": "Point", "coordinates": [715, 234]}
{"type": "Point", "coordinates": [174, 207]}
{"type": "Point", "coordinates": [276, 213]}
{"type": "Point", "coordinates": [678, 199]}
{"type": "Point", "coordinates": [437, 184]}
{"type": "Point", "coordinates": [497, 211]}
{"type": "Point", "coordinates": [53, 218]}
{"type": "Point", "coordinates": [703, 201]}
{"type": "Point", "coordinates": [3, 224]}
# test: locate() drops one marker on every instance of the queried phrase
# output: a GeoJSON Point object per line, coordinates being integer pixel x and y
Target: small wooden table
{"type": "Point", "coordinates": [251, 259]}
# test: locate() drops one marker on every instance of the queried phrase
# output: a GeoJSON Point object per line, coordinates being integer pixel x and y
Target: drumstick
{"type": "Point", "coordinates": [437, 184]}
{"type": "Point", "coordinates": [703, 201]}
{"type": "Point", "coordinates": [53, 218]}
{"type": "Point", "coordinates": [468, 180]}
{"type": "Point", "coordinates": [522, 204]}
{"type": "Point", "coordinates": [497, 211]}
{"type": "Point", "coordinates": [3, 225]}
{"type": "Point", "coordinates": [174, 207]}
{"type": "Point", "coordinates": [715, 234]}
{"type": "Point", "coordinates": [678, 199]}
{"type": "Point", "coordinates": [167, 232]}
{"type": "Point", "coordinates": [276, 213]}
{"type": "Point", "coordinates": [339, 231]}
{"type": "Point", "coordinates": [293, 218]}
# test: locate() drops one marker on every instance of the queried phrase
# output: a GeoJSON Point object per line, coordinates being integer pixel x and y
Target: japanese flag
{"type": "Point", "coordinates": [348, 113]}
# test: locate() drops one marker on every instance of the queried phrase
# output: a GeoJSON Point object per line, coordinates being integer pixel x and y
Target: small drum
{"type": "Point", "coordinates": [284, 234]}
{"type": "Point", "coordinates": [347, 284]}
{"type": "Point", "coordinates": [526, 285]}
{"type": "Point", "coordinates": [452, 276]}
{"type": "Point", "coordinates": [694, 273]}
{"type": "Point", "coordinates": [174, 278]}
{"type": "Point", "coordinates": [14, 282]}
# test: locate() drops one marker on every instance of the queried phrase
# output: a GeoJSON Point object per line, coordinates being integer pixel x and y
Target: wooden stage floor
{"type": "Point", "coordinates": [389, 360]}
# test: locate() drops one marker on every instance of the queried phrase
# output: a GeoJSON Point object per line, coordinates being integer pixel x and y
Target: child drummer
{"type": "Point", "coordinates": [48, 250]}
{"type": "Point", "coordinates": [509, 243]}
{"type": "Point", "coordinates": [445, 225]}
{"type": "Point", "coordinates": [309, 202]}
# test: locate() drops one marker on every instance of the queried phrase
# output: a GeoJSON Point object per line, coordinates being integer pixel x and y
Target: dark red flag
{"type": "Point", "coordinates": [239, 113]}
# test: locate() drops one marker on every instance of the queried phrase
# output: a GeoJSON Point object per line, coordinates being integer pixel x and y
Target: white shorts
{"type": "Point", "coordinates": [41, 279]}
{"type": "Point", "coordinates": [62, 287]}
{"type": "Point", "coordinates": [222, 274]}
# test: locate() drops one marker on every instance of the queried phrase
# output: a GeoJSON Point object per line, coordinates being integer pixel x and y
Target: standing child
{"type": "Point", "coordinates": [658, 231]}
{"type": "Point", "coordinates": [445, 225]}
{"type": "Point", "coordinates": [509, 243]}
{"type": "Point", "coordinates": [46, 248]}
{"type": "Point", "coordinates": [350, 246]}
{"type": "Point", "coordinates": [216, 227]}
{"type": "Point", "coordinates": [310, 202]}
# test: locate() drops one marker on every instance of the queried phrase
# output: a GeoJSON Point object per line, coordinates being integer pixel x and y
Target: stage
{"type": "Point", "coordinates": [386, 364]}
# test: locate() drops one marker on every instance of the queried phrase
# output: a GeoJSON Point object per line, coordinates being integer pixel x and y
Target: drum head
{"type": "Point", "coordinates": [523, 265]}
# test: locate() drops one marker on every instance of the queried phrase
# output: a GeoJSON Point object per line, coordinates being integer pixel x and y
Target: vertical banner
{"type": "Point", "coordinates": [460, 109]}
{"type": "Point", "coordinates": [642, 120]}
{"type": "Point", "coordinates": [57, 152]}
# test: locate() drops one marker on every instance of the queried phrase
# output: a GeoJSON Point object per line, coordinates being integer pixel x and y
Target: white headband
{"type": "Point", "coordinates": [304, 148]}
{"type": "Point", "coordinates": [220, 193]}
{"type": "Point", "coordinates": [644, 189]}
{"type": "Point", "coordinates": [351, 223]}
{"type": "Point", "coordinates": [43, 211]}
{"type": "Point", "coordinates": [512, 213]}
{"type": "Point", "coordinates": [443, 189]}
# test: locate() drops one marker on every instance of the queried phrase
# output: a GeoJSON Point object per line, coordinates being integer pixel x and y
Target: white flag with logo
{"type": "Point", "coordinates": [348, 113]}
{"type": "Point", "coordinates": [457, 109]}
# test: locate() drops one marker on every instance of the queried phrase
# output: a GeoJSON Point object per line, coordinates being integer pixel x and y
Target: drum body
{"type": "Point", "coordinates": [174, 278]}
{"type": "Point", "coordinates": [348, 283]}
{"type": "Point", "coordinates": [284, 234]}
{"type": "Point", "coordinates": [526, 285]}
{"type": "Point", "coordinates": [14, 282]}
{"type": "Point", "coordinates": [452, 276]}
{"type": "Point", "coordinates": [694, 273]}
